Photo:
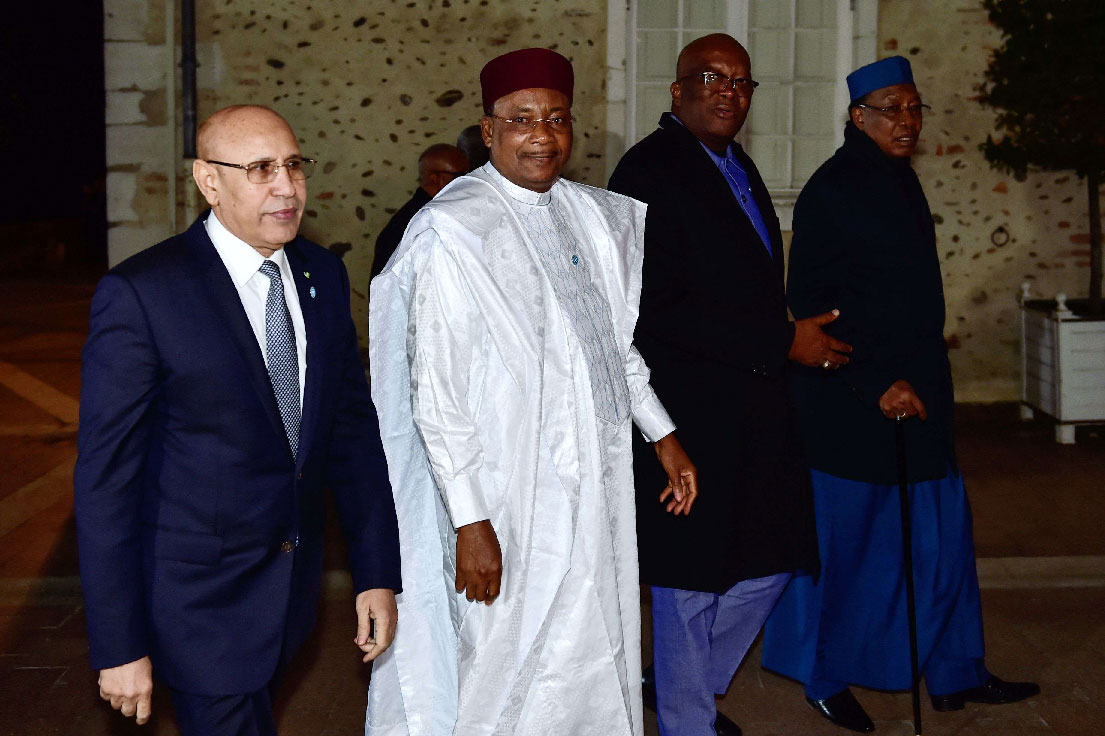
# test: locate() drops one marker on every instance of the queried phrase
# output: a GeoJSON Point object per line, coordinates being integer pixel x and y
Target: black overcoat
{"type": "Point", "coordinates": [865, 243]}
{"type": "Point", "coordinates": [388, 239]}
{"type": "Point", "coordinates": [714, 330]}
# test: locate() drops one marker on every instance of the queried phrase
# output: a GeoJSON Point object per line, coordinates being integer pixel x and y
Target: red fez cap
{"type": "Point", "coordinates": [525, 69]}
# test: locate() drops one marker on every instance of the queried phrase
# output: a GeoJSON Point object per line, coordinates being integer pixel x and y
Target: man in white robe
{"type": "Point", "coordinates": [507, 386]}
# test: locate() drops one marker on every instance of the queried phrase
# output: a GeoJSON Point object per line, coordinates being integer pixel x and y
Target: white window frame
{"type": "Point", "coordinates": [857, 29]}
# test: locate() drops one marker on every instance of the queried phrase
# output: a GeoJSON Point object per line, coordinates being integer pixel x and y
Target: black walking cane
{"type": "Point", "coordinates": [907, 556]}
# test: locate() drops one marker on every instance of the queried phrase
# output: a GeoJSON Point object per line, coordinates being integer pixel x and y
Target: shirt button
{"type": "Point", "coordinates": [287, 546]}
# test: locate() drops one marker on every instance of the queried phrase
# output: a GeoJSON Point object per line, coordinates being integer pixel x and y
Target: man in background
{"type": "Point", "coordinates": [470, 140]}
{"type": "Point", "coordinates": [437, 166]}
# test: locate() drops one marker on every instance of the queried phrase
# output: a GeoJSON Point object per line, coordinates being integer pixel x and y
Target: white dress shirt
{"type": "Point", "coordinates": [243, 262]}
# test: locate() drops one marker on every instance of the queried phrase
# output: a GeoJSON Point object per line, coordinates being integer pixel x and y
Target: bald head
{"type": "Point", "coordinates": [227, 125]}
{"type": "Point", "coordinates": [440, 164]}
{"type": "Point", "coordinates": [263, 213]}
{"type": "Point", "coordinates": [691, 58]}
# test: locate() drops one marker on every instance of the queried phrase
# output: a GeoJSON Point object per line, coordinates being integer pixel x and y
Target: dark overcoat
{"type": "Point", "coordinates": [865, 243]}
{"type": "Point", "coordinates": [200, 534]}
{"type": "Point", "coordinates": [714, 330]}
{"type": "Point", "coordinates": [388, 239]}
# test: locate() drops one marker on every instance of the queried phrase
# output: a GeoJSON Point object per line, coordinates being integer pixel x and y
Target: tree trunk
{"type": "Point", "coordinates": [1092, 182]}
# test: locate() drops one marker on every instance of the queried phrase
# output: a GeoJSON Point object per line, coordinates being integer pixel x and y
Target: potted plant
{"type": "Point", "coordinates": [1047, 82]}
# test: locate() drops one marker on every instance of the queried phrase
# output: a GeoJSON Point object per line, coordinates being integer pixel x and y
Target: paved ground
{"type": "Point", "coordinates": [1038, 521]}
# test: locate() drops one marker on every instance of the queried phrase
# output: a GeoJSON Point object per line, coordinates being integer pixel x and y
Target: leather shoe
{"type": "Point", "coordinates": [723, 725]}
{"type": "Point", "coordinates": [648, 687]}
{"type": "Point", "coordinates": [844, 710]}
{"type": "Point", "coordinates": [994, 691]}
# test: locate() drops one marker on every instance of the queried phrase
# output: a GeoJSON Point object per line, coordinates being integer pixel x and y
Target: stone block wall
{"type": "Point", "coordinates": [139, 138]}
{"type": "Point", "coordinates": [368, 85]}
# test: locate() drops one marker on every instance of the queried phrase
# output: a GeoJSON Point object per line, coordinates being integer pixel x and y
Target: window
{"type": "Point", "coordinates": [801, 51]}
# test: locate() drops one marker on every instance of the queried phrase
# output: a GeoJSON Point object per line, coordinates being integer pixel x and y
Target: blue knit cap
{"type": "Point", "coordinates": [882, 73]}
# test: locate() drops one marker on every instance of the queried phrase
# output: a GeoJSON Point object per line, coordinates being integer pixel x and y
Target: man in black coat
{"type": "Point", "coordinates": [437, 166]}
{"type": "Point", "coordinates": [714, 329]}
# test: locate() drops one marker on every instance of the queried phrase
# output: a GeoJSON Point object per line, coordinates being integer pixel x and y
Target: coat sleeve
{"type": "Point", "coordinates": [356, 472]}
{"type": "Point", "coordinates": [817, 281]}
{"type": "Point", "coordinates": [759, 345]}
{"type": "Point", "coordinates": [119, 387]}
{"type": "Point", "coordinates": [445, 335]}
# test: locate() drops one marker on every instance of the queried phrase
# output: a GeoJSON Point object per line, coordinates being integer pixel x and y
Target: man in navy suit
{"type": "Point", "coordinates": [222, 391]}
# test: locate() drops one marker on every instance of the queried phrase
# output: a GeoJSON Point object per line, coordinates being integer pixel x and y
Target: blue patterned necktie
{"type": "Point", "coordinates": [283, 363]}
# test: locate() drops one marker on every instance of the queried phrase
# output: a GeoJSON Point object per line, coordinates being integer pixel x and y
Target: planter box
{"type": "Point", "coordinates": [1062, 364]}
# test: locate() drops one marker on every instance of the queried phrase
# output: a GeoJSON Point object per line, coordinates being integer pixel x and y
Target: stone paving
{"type": "Point", "coordinates": [1038, 521]}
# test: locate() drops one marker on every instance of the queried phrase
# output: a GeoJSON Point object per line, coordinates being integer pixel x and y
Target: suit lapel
{"type": "Point", "coordinates": [312, 382]}
{"type": "Point", "coordinates": [227, 306]}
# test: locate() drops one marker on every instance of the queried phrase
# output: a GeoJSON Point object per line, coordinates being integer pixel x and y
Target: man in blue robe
{"type": "Point", "coordinates": [864, 241]}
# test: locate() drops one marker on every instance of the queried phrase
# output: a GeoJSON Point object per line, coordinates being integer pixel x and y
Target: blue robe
{"type": "Point", "coordinates": [850, 627]}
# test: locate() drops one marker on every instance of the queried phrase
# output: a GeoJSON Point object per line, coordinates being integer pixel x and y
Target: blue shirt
{"type": "Point", "coordinates": [737, 179]}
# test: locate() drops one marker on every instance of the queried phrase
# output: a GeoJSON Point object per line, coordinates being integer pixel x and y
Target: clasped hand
{"type": "Point", "coordinates": [901, 402]}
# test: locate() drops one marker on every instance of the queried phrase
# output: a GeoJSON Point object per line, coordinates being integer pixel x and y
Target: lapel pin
{"type": "Point", "coordinates": [312, 292]}
{"type": "Point", "coordinates": [306, 274]}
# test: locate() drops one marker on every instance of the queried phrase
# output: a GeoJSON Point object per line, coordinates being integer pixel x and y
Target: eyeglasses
{"type": "Point", "coordinates": [743, 86]}
{"type": "Point", "coordinates": [558, 124]}
{"type": "Point", "coordinates": [895, 112]}
{"type": "Point", "coordinates": [263, 172]}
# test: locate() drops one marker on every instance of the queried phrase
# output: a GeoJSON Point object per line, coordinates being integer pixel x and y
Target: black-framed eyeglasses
{"type": "Point", "coordinates": [743, 86]}
{"type": "Point", "coordinates": [895, 112]}
{"type": "Point", "coordinates": [263, 172]}
{"type": "Point", "coordinates": [523, 124]}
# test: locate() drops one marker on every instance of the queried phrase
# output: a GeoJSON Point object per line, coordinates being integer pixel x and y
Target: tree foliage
{"type": "Point", "coordinates": [1047, 81]}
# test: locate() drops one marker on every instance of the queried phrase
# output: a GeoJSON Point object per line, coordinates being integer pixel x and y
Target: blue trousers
{"type": "Point", "coordinates": [249, 714]}
{"type": "Point", "coordinates": [698, 641]}
{"type": "Point", "coordinates": [851, 626]}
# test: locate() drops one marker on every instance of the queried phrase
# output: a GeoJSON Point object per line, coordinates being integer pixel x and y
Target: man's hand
{"type": "Point", "coordinates": [479, 562]}
{"type": "Point", "coordinates": [129, 688]}
{"type": "Point", "coordinates": [813, 347]}
{"type": "Point", "coordinates": [682, 484]}
{"type": "Point", "coordinates": [376, 619]}
{"type": "Point", "coordinates": [901, 402]}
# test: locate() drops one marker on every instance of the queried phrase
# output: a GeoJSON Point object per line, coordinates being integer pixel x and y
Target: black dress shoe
{"type": "Point", "coordinates": [844, 710]}
{"type": "Point", "coordinates": [723, 726]}
{"type": "Point", "coordinates": [994, 691]}
{"type": "Point", "coordinates": [648, 687]}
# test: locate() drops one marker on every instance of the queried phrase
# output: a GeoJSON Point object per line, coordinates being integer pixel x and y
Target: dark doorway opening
{"type": "Point", "coordinates": [53, 213]}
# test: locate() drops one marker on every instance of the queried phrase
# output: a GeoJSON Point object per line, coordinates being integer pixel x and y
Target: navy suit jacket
{"type": "Point", "coordinates": [200, 536]}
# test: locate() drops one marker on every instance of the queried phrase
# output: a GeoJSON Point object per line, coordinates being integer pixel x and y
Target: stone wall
{"type": "Point", "coordinates": [992, 232]}
{"type": "Point", "coordinates": [367, 86]}
{"type": "Point", "coordinates": [141, 155]}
